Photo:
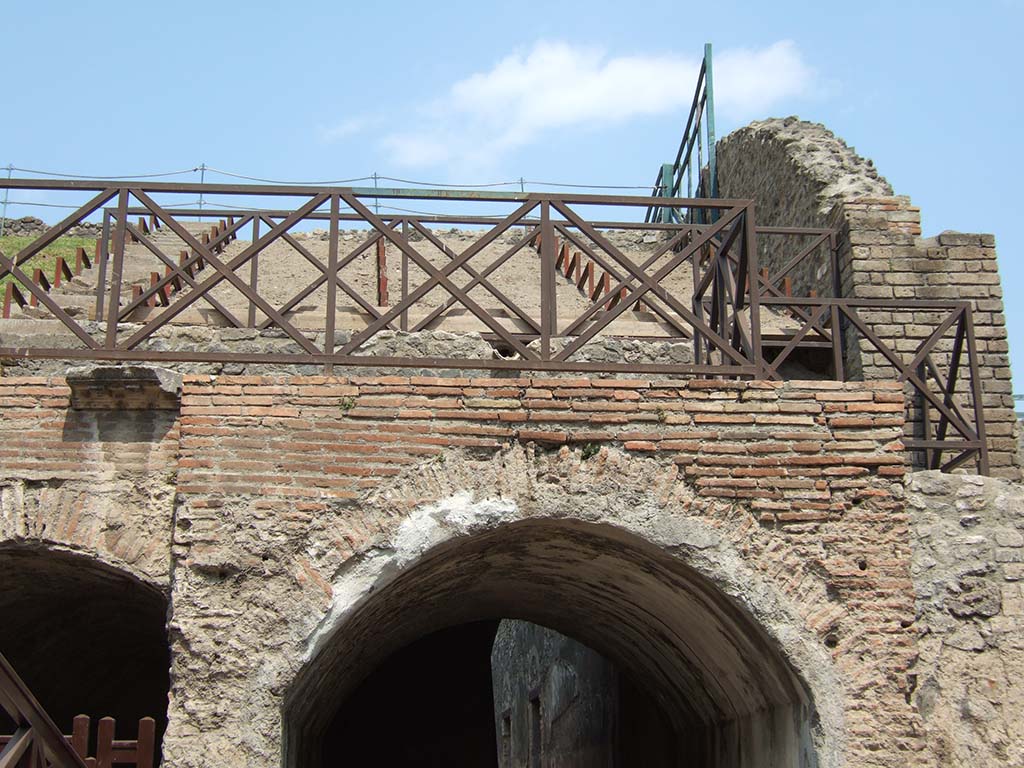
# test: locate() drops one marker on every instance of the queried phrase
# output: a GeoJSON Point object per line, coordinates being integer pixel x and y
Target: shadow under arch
{"type": "Point", "coordinates": [721, 678]}
{"type": "Point", "coordinates": [85, 636]}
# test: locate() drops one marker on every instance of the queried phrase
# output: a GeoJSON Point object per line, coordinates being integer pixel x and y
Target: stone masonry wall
{"type": "Point", "coordinates": [273, 510]}
{"type": "Point", "coordinates": [968, 537]}
{"type": "Point", "coordinates": [800, 174]}
{"type": "Point", "coordinates": [883, 257]}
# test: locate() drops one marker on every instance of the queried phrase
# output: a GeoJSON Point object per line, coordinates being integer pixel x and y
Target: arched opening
{"type": "Point", "coordinates": [721, 681]}
{"type": "Point", "coordinates": [87, 639]}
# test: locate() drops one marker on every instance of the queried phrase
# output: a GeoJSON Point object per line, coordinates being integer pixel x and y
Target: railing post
{"type": "Point", "coordinates": [667, 182]}
{"type": "Point", "coordinates": [105, 743]}
{"type": "Point", "coordinates": [404, 320]}
{"type": "Point", "coordinates": [382, 273]}
{"type": "Point", "coordinates": [709, 111]}
{"type": "Point", "coordinates": [976, 394]}
{"type": "Point", "coordinates": [145, 745]}
{"type": "Point", "coordinates": [115, 275]}
{"type": "Point", "coordinates": [80, 735]}
{"type": "Point", "coordinates": [332, 282]}
{"type": "Point", "coordinates": [837, 344]}
{"type": "Point", "coordinates": [750, 249]}
{"type": "Point", "coordinates": [254, 270]}
{"type": "Point", "coordinates": [102, 253]}
{"type": "Point", "coordinates": [548, 310]}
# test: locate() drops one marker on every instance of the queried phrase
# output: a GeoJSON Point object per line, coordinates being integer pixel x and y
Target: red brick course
{"type": "Point", "coordinates": [320, 437]}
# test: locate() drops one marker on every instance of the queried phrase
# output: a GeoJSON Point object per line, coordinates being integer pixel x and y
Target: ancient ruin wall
{"type": "Point", "coordinates": [796, 172]}
{"type": "Point", "coordinates": [97, 480]}
{"type": "Point", "coordinates": [800, 173]}
{"type": "Point", "coordinates": [273, 515]}
{"type": "Point", "coordinates": [968, 538]}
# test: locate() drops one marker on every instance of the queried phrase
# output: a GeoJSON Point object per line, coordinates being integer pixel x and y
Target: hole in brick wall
{"type": "Point", "coordinates": [831, 640]}
{"type": "Point", "coordinates": [420, 637]}
{"type": "Point", "coordinates": [862, 563]}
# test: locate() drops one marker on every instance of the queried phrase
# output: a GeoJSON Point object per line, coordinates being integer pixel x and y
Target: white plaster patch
{"type": "Point", "coordinates": [457, 515]}
{"type": "Point", "coordinates": [426, 527]}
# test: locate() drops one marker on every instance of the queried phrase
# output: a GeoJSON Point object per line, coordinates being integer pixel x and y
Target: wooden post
{"type": "Point", "coordinates": [80, 735]}
{"type": "Point", "coordinates": [82, 259]}
{"type": "Point", "coordinates": [105, 743]}
{"type": "Point", "coordinates": [39, 279]}
{"type": "Point", "coordinates": [382, 273]}
{"type": "Point", "coordinates": [145, 750]}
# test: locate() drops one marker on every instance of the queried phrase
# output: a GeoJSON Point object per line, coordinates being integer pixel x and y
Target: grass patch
{"type": "Point", "coordinates": [47, 260]}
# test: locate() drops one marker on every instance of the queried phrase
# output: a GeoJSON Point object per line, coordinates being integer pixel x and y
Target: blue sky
{"type": "Point", "coordinates": [464, 92]}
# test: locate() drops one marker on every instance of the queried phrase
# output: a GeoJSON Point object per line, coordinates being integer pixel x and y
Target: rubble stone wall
{"type": "Point", "coordinates": [31, 226]}
{"type": "Point", "coordinates": [796, 172]}
{"type": "Point", "coordinates": [968, 539]}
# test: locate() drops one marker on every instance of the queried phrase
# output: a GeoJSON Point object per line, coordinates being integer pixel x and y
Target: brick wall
{"type": "Point", "coordinates": [275, 478]}
{"type": "Point", "coordinates": [99, 480]}
{"type": "Point", "coordinates": [882, 256]}
{"type": "Point", "coordinates": [801, 174]}
{"type": "Point", "coordinates": [798, 450]}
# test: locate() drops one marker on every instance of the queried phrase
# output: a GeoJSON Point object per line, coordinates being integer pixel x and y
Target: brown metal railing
{"type": "Point", "coordinates": [728, 341]}
{"type": "Point", "coordinates": [723, 315]}
{"type": "Point", "coordinates": [946, 426]}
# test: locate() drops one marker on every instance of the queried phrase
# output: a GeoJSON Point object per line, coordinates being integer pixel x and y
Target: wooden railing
{"type": "Point", "coordinates": [721, 313]}
{"type": "Point", "coordinates": [38, 743]}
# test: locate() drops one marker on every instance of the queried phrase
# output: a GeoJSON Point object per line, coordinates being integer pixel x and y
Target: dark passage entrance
{"type": "Point", "coordinates": [86, 639]}
{"type": "Point", "coordinates": [429, 704]}
{"type": "Point", "coordinates": [444, 699]}
{"type": "Point", "coordinates": [662, 668]}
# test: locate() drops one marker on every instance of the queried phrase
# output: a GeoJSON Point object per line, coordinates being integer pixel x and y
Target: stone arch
{"type": "Point", "coordinates": [116, 522]}
{"type": "Point", "coordinates": [88, 637]}
{"type": "Point", "coordinates": [619, 554]}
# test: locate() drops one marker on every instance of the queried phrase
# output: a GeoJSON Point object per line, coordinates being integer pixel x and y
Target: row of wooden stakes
{"type": "Point", "coordinates": [163, 295]}
{"type": "Point", "coordinates": [15, 293]}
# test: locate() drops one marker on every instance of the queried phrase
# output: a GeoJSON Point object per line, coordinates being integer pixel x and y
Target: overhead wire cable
{"type": "Point", "coordinates": [128, 177]}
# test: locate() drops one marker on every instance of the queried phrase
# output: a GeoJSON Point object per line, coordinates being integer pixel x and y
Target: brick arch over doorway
{"type": "Point", "coordinates": [813, 549]}
{"type": "Point", "coordinates": [668, 598]}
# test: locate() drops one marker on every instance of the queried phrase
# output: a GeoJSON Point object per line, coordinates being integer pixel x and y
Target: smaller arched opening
{"type": "Point", "coordinates": [86, 638]}
{"type": "Point", "coordinates": [688, 654]}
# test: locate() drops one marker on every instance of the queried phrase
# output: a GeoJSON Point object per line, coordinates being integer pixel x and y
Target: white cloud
{"type": "Point", "coordinates": [749, 82]}
{"type": "Point", "coordinates": [342, 130]}
{"type": "Point", "coordinates": [556, 85]}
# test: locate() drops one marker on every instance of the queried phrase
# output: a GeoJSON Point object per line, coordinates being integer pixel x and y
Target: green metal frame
{"type": "Point", "coordinates": [700, 128]}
